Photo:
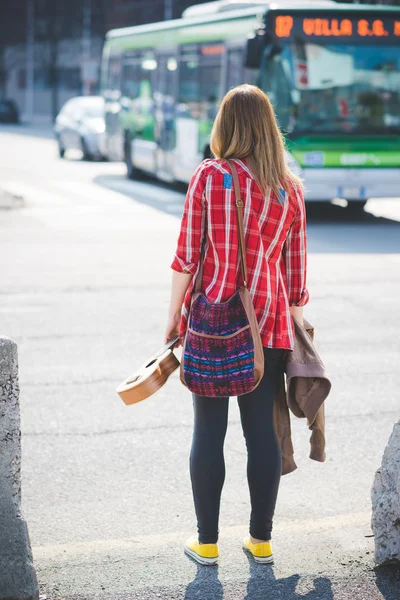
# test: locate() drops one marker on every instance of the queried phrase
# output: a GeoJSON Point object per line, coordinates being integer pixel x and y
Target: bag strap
{"type": "Point", "coordinates": [239, 211]}
{"type": "Point", "coordinates": [242, 245]}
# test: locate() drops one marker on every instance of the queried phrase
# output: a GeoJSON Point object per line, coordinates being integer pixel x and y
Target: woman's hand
{"type": "Point", "coordinates": [172, 329]}
{"type": "Point", "coordinates": [297, 313]}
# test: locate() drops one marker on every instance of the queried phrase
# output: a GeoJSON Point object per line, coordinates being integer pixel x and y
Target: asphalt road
{"type": "Point", "coordinates": [106, 493]}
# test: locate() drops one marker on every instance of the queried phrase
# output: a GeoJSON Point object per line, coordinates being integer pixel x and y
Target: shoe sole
{"type": "Point", "coordinates": [200, 559]}
{"type": "Point", "coordinates": [260, 559]}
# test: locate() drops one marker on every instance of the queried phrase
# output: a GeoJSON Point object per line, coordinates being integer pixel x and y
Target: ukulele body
{"type": "Point", "coordinates": [150, 377]}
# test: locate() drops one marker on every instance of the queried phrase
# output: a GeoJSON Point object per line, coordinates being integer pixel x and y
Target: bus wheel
{"type": "Point", "coordinates": [61, 149]}
{"type": "Point", "coordinates": [356, 207]}
{"type": "Point", "coordinates": [131, 172]}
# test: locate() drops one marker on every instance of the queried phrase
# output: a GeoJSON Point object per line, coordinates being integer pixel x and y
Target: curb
{"type": "Point", "coordinates": [9, 200]}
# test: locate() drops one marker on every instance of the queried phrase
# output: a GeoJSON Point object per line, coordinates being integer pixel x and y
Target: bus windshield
{"type": "Point", "coordinates": [334, 88]}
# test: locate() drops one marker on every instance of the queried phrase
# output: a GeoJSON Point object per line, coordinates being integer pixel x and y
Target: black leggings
{"type": "Point", "coordinates": [207, 465]}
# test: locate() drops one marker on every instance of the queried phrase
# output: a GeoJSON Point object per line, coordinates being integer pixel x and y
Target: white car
{"type": "Point", "coordinates": [80, 125]}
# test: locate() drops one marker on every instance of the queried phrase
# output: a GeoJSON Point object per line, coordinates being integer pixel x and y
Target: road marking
{"type": "Point", "coordinates": [66, 551]}
{"type": "Point", "coordinates": [79, 205]}
{"type": "Point", "coordinates": [34, 195]}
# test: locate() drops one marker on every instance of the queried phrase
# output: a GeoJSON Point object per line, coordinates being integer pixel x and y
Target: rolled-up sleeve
{"type": "Point", "coordinates": [295, 255]}
{"type": "Point", "coordinates": [190, 237]}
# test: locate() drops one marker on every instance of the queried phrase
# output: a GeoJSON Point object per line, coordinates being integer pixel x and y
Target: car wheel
{"type": "Point", "coordinates": [356, 207]}
{"type": "Point", "coordinates": [61, 149]}
{"type": "Point", "coordinates": [131, 171]}
{"type": "Point", "coordinates": [86, 155]}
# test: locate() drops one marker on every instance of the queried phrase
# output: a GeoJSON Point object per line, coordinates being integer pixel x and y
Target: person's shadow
{"type": "Point", "coordinates": [388, 580]}
{"type": "Point", "coordinates": [262, 585]}
{"type": "Point", "coordinates": [206, 585]}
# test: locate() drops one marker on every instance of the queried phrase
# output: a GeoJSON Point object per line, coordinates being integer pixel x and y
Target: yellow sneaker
{"type": "Point", "coordinates": [205, 554]}
{"type": "Point", "coordinates": [262, 553]}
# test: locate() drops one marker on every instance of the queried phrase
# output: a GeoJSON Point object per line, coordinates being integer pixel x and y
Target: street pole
{"type": "Point", "coordinates": [86, 44]}
{"type": "Point", "coordinates": [30, 62]}
{"type": "Point", "coordinates": [167, 10]}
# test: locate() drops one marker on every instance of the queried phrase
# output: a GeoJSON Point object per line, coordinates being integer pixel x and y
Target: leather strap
{"type": "Point", "coordinates": [239, 210]}
{"type": "Point", "coordinates": [242, 245]}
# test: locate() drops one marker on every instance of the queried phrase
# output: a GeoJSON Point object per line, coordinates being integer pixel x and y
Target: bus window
{"type": "Point", "coordinates": [189, 84]}
{"type": "Point", "coordinates": [234, 75]}
{"type": "Point", "coordinates": [130, 78]}
{"type": "Point", "coordinates": [252, 76]}
{"type": "Point", "coordinates": [114, 75]}
{"type": "Point", "coordinates": [237, 73]}
{"type": "Point", "coordinates": [143, 102]}
{"type": "Point", "coordinates": [276, 82]}
{"type": "Point", "coordinates": [210, 80]}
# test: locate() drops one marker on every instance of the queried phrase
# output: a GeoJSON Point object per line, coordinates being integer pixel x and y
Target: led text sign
{"type": "Point", "coordinates": [337, 28]}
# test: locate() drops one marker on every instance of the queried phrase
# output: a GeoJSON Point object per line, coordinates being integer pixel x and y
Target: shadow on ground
{"type": "Point", "coordinates": [388, 581]}
{"type": "Point", "coordinates": [261, 585]}
{"type": "Point", "coordinates": [381, 583]}
{"type": "Point", "coordinates": [331, 228]}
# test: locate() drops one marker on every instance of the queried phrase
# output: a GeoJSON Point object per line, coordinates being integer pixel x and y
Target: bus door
{"type": "Point", "coordinates": [236, 71]}
{"type": "Point", "coordinates": [112, 107]}
{"type": "Point", "coordinates": [142, 106]}
{"type": "Point", "coordinates": [199, 93]}
{"type": "Point", "coordinates": [234, 66]}
{"type": "Point", "coordinates": [164, 111]}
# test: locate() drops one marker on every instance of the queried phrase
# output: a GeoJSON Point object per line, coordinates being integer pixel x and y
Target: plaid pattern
{"type": "Point", "coordinates": [276, 240]}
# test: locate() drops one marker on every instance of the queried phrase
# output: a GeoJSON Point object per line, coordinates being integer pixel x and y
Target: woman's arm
{"type": "Point", "coordinates": [180, 284]}
{"type": "Point", "coordinates": [187, 255]}
{"type": "Point", "coordinates": [295, 254]}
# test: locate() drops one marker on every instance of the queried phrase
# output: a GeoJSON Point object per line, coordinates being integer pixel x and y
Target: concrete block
{"type": "Point", "coordinates": [385, 496]}
{"type": "Point", "coordinates": [17, 574]}
{"type": "Point", "coordinates": [10, 431]}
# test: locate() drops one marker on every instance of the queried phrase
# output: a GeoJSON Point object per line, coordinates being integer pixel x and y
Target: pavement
{"type": "Point", "coordinates": [105, 487]}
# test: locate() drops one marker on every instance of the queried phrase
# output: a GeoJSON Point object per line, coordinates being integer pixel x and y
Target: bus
{"type": "Point", "coordinates": [332, 72]}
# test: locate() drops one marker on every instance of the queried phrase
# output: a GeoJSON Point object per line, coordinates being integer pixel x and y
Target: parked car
{"type": "Point", "coordinates": [80, 125]}
{"type": "Point", "coordinates": [9, 112]}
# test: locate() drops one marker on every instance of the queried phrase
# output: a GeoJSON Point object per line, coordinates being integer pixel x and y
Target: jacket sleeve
{"type": "Point", "coordinates": [187, 255]}
{"type": "Point", "coordinates": [295, 254]}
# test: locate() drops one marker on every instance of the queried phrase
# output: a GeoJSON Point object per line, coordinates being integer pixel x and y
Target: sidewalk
{"type": "Point", "coordinates": [330, 559]}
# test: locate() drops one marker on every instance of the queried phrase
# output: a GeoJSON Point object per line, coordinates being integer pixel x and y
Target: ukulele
{"type": "Point", "coordinates": [151, 376]}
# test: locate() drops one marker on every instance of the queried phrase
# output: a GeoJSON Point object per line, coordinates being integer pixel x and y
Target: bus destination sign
{"type": "Point", "coordinates": [337, 28]}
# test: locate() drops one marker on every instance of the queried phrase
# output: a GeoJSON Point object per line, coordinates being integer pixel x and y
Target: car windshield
{"type": "Point", "coordinates": [335, 88]}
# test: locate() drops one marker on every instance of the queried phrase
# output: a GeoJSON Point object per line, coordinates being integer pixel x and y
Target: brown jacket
{"type": "Point", "coordinates": [304, 392]}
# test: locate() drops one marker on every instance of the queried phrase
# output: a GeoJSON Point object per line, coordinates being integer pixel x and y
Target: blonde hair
{"type": "Point", "coordinates": [246, 127]}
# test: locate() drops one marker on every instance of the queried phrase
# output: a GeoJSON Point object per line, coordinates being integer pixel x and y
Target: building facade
{"type": "Point", "coordinates": [67, 43]}
{"type": "Point", "coordinates": [59, 44]}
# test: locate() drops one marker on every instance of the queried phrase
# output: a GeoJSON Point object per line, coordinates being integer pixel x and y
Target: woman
{"type": "Point", "coordinates": [245, 130]}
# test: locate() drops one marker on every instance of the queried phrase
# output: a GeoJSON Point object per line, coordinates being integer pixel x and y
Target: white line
{"type": "Point", "coordinates": [66, 551]}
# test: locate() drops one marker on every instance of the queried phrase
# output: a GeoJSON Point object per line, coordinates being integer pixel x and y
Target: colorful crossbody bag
{"type": "Point", "coordinates": [222, 352]}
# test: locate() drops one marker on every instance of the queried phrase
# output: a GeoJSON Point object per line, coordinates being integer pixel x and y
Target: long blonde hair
{"type": "Point", "coordinates": [246, 127]}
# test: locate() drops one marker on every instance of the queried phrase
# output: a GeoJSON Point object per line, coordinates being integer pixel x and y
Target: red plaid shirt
{"type": "Point", "coordinates": [275, 233]}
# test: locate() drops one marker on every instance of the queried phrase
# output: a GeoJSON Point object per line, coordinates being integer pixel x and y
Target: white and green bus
{"type": "Point", "coordinates": [332, 72]}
